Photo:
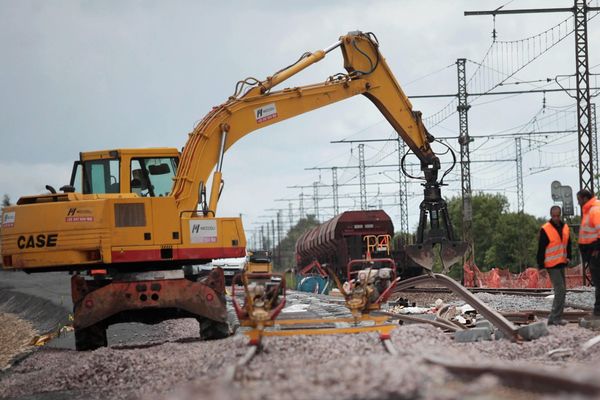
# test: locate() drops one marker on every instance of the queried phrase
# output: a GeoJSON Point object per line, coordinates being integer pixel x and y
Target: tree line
{"type": "Point", "coordinates": [501, 238]}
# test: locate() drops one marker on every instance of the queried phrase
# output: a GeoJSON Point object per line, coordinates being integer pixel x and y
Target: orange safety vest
{"type": "Point", "coordinates": [589, 230]}
{"type": "Point", "coordinates": [556, 251]}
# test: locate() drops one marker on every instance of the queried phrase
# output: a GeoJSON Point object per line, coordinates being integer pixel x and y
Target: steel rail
{"type": "Point", "coordinates": [516, 292]}
{"type": "Point", "coordinates": [571, 316]}
{"type": "Point", "coordinates": [232, 372]}
{"type": "Point", "coordinates": [389, 346]}
{"type": "Point", "coordinates": [519, 317]}
{"type": "Point", "coordinates": [522, 377]}
{"type": "Point", "coordinates": [443, 324]}
{"type": "Point", "coordinates": [508, 291]}
{"type": "Point", "coordinates": [583, 307]}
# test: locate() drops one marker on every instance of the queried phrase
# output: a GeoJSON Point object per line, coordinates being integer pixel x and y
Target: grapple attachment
{"type": "Point", "coordinates": [438, 232]}
{"type": "Point", "coordinates": [452, 252]}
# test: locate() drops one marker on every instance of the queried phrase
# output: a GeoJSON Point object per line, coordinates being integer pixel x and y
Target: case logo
{"type": "Point", "coordinates": [33, 241]}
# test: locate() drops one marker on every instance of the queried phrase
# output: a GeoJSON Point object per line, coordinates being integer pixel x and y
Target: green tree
{"type": "Point", "coordinates": [401, 239]}
{"type": "Point", "coordinates": [514, 242]}
{"type": "Point", "coordinates": [288, 244]}
{"type": "Point", "coordinates": [487, 211]}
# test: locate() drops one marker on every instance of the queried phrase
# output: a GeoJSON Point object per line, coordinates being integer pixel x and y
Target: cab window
{"type": "Point", "coordinates": [153, 176]}
{"type": "Point", "coordinates": [101, 176]}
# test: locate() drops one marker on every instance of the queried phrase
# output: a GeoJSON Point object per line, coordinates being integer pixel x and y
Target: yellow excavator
{"type": "Point", "coordinates": [132, 222]}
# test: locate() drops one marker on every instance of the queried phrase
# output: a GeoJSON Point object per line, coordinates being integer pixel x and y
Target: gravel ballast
{"type": "Point", "coordinates": [176, 365]}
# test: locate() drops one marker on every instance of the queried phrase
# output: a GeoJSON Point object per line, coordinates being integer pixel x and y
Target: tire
{"type": "Point", "coordinates": [90, 338]}
{"type": "Point", "coordinates": [212, 330]}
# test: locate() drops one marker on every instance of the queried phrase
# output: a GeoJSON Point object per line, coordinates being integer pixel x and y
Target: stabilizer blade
{"type": "Point", "coordinates": [452, 252]}
{"type": "Point", "coordinates": [422, 254]}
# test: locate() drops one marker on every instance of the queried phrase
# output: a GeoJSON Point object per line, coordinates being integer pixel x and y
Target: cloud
{"type": "Point", "coordinates": [80, 75]}
{"type": "Point", "coordinates": [22, 179]}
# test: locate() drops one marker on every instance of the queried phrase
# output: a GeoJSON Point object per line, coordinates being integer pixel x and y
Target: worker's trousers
{"type": "Point", "coordinates": [557, 277]}
{"type": "Point", "coordinates": [594, 266]}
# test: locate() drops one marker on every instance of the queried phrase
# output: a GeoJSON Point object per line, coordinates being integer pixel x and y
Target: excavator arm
{"type": "Point", "coordinates": [368, 74]}
{"type": "Point", "coordinates": [260, 106]}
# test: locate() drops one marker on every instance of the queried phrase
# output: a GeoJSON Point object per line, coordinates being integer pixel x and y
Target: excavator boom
{"type": "Point", "coordinates": [260, 106]}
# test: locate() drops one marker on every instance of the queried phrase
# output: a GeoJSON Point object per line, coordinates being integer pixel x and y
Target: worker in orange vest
{"type": "Point", "coordinates": [554, 253]}
{"type": "Point", "coordinates": [589, 239]}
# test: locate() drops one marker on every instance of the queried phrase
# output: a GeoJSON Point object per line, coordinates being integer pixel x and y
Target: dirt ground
{"type": "Point", "coordinates": [15, 337]}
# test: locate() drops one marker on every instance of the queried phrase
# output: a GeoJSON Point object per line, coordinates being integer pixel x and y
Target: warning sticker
{"type": "Point", "coordinates": [8, 219]}
{"type": "Point", "coordinates": [265, 113]}
{"type": "Point", "coordinates": [203, 231]}
{"type": "Point", "coordinates": [75, 214]}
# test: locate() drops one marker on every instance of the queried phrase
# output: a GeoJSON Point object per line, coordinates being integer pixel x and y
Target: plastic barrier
{"type": "Point", "coordinates": [531, 278]}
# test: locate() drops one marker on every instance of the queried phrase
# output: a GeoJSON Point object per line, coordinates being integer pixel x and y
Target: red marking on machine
{"type": "Point", "coordinates": [265, 113]}
{"type": "Point", "coordinates": [79, 219]}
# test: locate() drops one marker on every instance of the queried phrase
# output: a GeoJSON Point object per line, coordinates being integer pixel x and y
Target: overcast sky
{"type": "Point", "coordinates": [87, 75]}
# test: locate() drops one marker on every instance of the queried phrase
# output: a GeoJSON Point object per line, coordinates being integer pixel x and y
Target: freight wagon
{"type": "Point", "coordinates": [352, 235]}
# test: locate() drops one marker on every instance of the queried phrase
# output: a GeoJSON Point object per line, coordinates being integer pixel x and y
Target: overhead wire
{"type": "Point", "coordinates": [450, 108]}
{"type": "Point", "coordinates": [504, 73]}
{"type": "Point", "coordinates": [437, 71]}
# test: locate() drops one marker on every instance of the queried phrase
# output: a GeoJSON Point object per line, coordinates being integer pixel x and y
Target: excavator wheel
{"type": "Point", "coordinates": [212, 330]}
{"type": "Point", "coordinates": [90, 338]}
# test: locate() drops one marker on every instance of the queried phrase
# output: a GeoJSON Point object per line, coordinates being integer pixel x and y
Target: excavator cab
{"type": "Point", "coordinates": [145, 172]}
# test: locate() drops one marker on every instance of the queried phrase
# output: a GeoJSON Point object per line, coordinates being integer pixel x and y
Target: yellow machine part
{"type": "Point", "coordinates": [91, 230]}
{"type": "Point", "coordinates": [379, 324]}
{"type": "Point", "coordinates": [259, 268]}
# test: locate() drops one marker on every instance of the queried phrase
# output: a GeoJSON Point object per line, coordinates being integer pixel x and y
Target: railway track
{"type": "Point", "coordinates": [530, 315]}
{"type": "Point", "coordinates": [502, 321]}
{"type": "Point", "coordinates": [260, 374]}
{"type": "Point", "coordinates": [255, 348]}
{"type": "Point", "coordinates": [538, 380]}
{"type": "Point", "coordinates": [538, 292]}
{"type": "Point", "coordinates": [496, 318]}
